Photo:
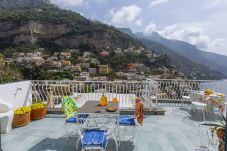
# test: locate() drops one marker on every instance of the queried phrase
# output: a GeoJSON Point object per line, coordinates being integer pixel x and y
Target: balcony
{"type": "Point", "coordinates": [172, 128]}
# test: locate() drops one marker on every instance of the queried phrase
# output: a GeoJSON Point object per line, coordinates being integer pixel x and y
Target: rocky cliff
{"type": "Point", "coordinates": [52, 26]}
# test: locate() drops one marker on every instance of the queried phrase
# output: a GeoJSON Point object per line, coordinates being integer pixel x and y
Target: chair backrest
{"type": "Point", "coordinates": [69, 106]}
{"type": "Point", "coordinates": [93, 122]}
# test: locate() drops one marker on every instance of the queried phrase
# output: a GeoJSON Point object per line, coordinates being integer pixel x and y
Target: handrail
{"type": "Point", "coordinates": [151, 90]}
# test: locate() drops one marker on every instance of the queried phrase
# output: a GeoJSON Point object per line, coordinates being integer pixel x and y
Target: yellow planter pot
{"type": "Point", "coordinates": [21, 120]}
{"type": "Point", "coordinates": [37, 114]}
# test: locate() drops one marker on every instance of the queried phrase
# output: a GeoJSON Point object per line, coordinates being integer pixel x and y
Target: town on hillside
{"type": "Point", "coordinates": [98, 65]}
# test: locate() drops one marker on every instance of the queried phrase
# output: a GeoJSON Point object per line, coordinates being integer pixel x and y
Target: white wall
{"type": "Point", "coordinates": [16, 94]}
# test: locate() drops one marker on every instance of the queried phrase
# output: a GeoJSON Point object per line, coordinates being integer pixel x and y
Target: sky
{"type": "Point", "coordinates": [202, 23]}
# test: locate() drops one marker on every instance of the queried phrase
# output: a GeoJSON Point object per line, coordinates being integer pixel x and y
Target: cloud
{"type": "Point", "coordinates": [126, 15]}
{"type": "Point", "coordinates": [191, 34]}
{"type": "Point", "coordinates": [100, 1]}
{"type": "Point", "coordinates": [214, 3]}
{"type": "Point", "coordinates": [149, 29]}
{"type": "Point", "coordinates": [139, 22]}
{"type": "Point", "coordinates": [75, 3]}
{"type": "Point", "coordinates": [158, 2]}
{"type": "Point", "coordinates": [188, 33]}
{"type": "Point", "coordinates": [68, 3]}
{"type": "Point", "coordinates": [217, 44]}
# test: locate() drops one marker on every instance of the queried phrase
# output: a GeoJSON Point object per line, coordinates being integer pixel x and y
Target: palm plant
{"type": "Point", "coordinates": [219, 128]}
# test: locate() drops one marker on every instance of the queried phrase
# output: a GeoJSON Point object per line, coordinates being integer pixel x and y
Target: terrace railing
{"type": "Point", "coordinates": [52, 92]}
{"type": "Point", "coordinates": [152, 91]}
{"type": "Point", "coordinates": [170, 91]}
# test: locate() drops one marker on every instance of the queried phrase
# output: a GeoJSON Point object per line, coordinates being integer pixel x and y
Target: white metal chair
{"type": "Point", "coordinates": [129, 121]}
{"type": "Point", "coordinates": [92, 135]}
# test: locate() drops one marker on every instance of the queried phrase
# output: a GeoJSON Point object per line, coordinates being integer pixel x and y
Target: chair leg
{"type": "Point", "coordinates": [116, 143]}
{"type": "Point", "coordinates": [77, 143]}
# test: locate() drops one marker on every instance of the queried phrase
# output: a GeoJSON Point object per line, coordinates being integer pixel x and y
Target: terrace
{"type": "Point", "coordinates": [172, 128]}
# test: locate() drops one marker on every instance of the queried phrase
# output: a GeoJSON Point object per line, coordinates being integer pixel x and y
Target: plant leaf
{"type": "Point", "coordinates": [213, 124]}
{"type": "Point", "coordinates": [223, 118]}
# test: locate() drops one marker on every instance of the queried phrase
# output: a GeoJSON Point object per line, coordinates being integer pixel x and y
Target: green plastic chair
{"type": "Point", "coordinates": [70, 109]}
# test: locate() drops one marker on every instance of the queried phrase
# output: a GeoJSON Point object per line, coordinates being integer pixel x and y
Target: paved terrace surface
{"type": "Point", "coordinates": [171, 132]}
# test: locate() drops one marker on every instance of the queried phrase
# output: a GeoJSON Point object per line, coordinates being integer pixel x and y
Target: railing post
{"type": "Point", "coordinates": [0, 138]}
{"type": "Point", "coordinates": [225, 141]}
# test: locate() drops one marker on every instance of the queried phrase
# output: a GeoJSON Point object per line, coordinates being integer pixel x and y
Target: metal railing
{"type": "Point", "coordinates": [175, 89]}
{"type": "Point", "coordinates": [52, 92]}
{"type": "Point", "coordinates": [152, 91]}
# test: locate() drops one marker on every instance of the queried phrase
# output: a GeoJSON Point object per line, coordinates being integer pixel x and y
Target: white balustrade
{"type": "Point", "coordinates": [152, 91]}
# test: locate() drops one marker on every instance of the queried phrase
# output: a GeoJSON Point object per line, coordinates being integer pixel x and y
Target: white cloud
{"type": "Point", "coordinates": [76, 3]}
{"type": "Point", "coordinates": [158, 2]}
{"type": "Point", "coordinates": [126, 15]}
{"type": "Point", "coordinates": [68, 3]}
{"type": "Point", "coordinates": [149, 29]}
{"type": "Point", "coordinates": [100, 1]}
{"type": "Point", "coordinates": [193, 35]}
{"type": "Point", "coordinates": [214, 3]}
{"type": "Point", "coordinates": [139, 22]}
{"type": "Point", "coordinates": [218, 44]}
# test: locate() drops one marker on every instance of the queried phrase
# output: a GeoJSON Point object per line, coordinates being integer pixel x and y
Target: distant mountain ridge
{"type": "Point", "coordinates": [182, 62]}
{"type": "Point", "coordinates": [211, 60]}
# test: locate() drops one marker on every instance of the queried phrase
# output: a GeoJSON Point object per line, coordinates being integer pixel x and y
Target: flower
{"type": "Point", "coordinates": [208, 91]}
{"type": "Point", "coordinates": [37, 106]}
{"type": "Point", "coordinates": [22, 110]}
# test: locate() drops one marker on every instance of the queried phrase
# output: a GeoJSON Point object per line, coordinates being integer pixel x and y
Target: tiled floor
{"type": "Point", "coordinates": [171, 132]}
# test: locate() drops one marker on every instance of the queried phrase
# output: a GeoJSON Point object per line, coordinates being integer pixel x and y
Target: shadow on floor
{"type": "Point", "coordinates": [198, 115]}
{"type": "Point", "coordinates": [69, 144]}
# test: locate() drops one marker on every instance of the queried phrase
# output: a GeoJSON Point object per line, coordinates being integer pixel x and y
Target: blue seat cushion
{"type": "Point", "coordinates": [126, 120]}
{"type": "Point", "coordinates": [94, 138]}
{"type": "Point", "coordinates": [72, 119]}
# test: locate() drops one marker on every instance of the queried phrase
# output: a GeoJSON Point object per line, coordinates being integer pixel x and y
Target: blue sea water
{"type": "Point", "coordinates": [221, 86]}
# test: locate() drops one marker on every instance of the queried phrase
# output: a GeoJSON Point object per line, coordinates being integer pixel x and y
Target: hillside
{"type": "Point", "coordinates": [12, 4]}
{"type": "Point", "coordinates": [182, 63]}
{"type": "Point", "coordinates": [56, 29]}
{"type": "Point", "coordinates": [193, 70]}
{"type": "Point", "coordinates": [49, 26]}
{"type": "Point", "coordinates": [212, 60]}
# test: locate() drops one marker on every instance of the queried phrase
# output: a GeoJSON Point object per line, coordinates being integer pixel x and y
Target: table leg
{"type": "Point", "coordinates": [204, 114]}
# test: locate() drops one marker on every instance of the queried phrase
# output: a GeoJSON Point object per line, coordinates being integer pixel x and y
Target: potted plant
{"type": "Point", "coordinates": [38, 111]}
{"type": "Point", "coordinates": [219, 129]}
{"type": "Point", "coordinates": [21, 116]}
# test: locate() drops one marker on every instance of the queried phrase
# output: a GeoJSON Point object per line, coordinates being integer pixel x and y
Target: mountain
{"type": "Point", "coordinates": [10, 4]}
{"type": "Point", "coordinates": [211, 60]}
{"type": "Point", "coordinates": [127, 31]}
{"type": "Point", "coordinates": [49, 26]}
{"type": "Point", "coordinates": [182, 63]}
{"type": "Point", "coordinates": [192, 69]}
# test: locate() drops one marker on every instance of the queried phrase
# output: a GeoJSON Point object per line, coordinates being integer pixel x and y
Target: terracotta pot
{"type": "Point", "coordinates": [220, 132]}
{"type": "Point", "coordinates": [37, 114]}
{"type": "Point", "coordinates": [21, 120]}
